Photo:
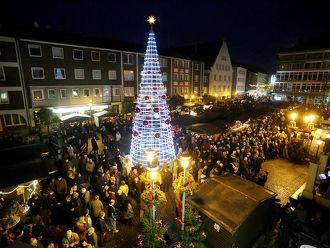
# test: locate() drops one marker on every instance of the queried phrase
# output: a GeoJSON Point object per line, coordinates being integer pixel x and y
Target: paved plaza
{"type": "Point", "coordinates": [284, 177]}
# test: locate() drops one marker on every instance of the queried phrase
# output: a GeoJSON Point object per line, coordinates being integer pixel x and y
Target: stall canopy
{"type": "Point", "coordinates": [74, 117]}
{"type": "Point", "coordinates": [105, 114]}
{"type": "Point", "coordinates": [229, 200]}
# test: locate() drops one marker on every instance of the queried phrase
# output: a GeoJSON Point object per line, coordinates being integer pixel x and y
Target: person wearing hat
{"type": "Point", "coordinates": [71, 239]}
{"type": "Point", "coordinates": [91, 237]}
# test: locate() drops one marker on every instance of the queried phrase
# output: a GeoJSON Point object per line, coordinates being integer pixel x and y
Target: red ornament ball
{"type": "Point", "coordinates": [137, 110]}
{"type": "Point", "coordinates": [167, 121]}
{"type": "Point", "coordinates": [146, 98]}
{"type": "Point", "coordinates": [135, 133]}
{"type": "Point", "coordinates": [157, 135]}
{"type": "Point", "coordinates": [145, 123]}
{"type": "Point", "coordinates": [163, 97]}
{"type": "Point", "coordinates": [156, 110]}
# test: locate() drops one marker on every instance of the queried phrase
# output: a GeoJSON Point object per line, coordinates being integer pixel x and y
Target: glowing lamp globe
{"type": "Point", "coordinates": [185, 160]}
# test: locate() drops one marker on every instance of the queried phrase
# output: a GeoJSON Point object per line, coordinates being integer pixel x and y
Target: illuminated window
{"type": "Point", "coordinates": [175, 76]}
{"type": "Point", "coordinates": [128, 91]}
{"type": "Point", "coordinates": [96, 56]}
{"type": "Point", "coordinates": [58, 52]}
{"type": "Point", "coordinates": [164, 76]}
{"type": "Point", "coordinates": [59, 73]}
{"type": "Point", "coordinates": [116, 91]}
{"type": "Point", "coordinates": [4, 99]}
{"type": "Point", "coordinates": [97, 92]}
{"type": "Point", "coordinates": [38, 95]}
{"type": "Point", "coordinates": [37, 73]}
{"type": "Point", "coordinates": [86, 92]}
{"type": "Point", "coordinates": [75, 93]}
{"type": "Point", "coordinates": [128, 75]}
{"type": "Point", "coordinates": [13, 120]}
{"type": "Point", "coordinates": [196, 78]}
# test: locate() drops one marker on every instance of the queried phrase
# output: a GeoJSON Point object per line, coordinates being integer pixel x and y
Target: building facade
{"type": "Point", "coordinates": [257, 83]}
{"type": "Point", "coordinates": [74, 78]}
{"type": "Point", "coordinates": [13, 109]}
{"type": "Point", "coordinates": [238, 81]}
{"type": "Point", "coordinates": [220, 74]}
{"type": "Point", "coordinates": [303, 76]}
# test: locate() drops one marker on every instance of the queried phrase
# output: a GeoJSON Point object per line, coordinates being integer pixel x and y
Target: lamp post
{"type": "Point", "coordinates": [312, 119]}
{"type": "Point", "coordinates": [293, 118]}
{"type": "Point", "coordinates": [318, 142]}
{"type": "Point", "coordinates": [184, 161]}
{"type": "Point", "coordinates": [216, 98]}
{"type": "Point", "coordinates": [153, 170]}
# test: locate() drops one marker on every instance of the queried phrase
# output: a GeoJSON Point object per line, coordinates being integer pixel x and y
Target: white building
{"type": "Point", "coordinates": [221, 72]}
{"type": "Point", "coordinates": [239, 80]}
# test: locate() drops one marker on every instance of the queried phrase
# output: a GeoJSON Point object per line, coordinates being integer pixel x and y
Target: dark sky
{"type": "Point", "coordinates": [254, 30]}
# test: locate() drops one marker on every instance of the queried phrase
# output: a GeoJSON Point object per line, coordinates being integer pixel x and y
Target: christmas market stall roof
{"type": "Point", "coordinates": [23, 164]}
{"type": "Point", "coordinates": [240, 208]}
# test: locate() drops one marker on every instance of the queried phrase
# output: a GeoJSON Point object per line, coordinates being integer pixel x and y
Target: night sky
{"type": "Point", "coordinates": [254, 30]}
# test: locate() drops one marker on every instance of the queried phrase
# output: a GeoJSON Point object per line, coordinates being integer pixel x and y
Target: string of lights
{"type": "Point", "coordinates": [151, 124]}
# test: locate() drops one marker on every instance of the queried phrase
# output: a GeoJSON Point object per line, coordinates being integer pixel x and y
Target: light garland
{"type": "Point", "coordinates": [34, 188]}
{"type": "Point", "coordinates": [151, 124]}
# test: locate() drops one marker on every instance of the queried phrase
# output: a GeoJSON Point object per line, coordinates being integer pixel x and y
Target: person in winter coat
{"type": "Point", "coordinates": [95, 146]}
{"type": "Point", "coordinates": [96, 206]}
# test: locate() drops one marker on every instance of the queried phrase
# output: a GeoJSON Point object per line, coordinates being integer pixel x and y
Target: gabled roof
{"type": "Point", "coordinates": [206, 52]}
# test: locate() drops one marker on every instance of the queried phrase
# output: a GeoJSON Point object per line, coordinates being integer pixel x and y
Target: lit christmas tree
{"type": "Point", "coordinates": [151, 124]}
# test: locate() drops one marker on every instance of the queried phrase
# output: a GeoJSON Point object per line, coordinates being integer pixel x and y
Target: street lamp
{"type": "Point", "coordinates": [153, 172]}
{"type": "Point", "coordinates": [293, 118]}
{"type": "Point", "coordinates": [184, 161]}
{"type": "Point", "coordinates": [216, 98]}
{"type": "Point", "coordinates": [318, 142]}
{"type": "Point", "coordinates": [150, 155]}
{"type": "Point", "coordinates": [312, 119]}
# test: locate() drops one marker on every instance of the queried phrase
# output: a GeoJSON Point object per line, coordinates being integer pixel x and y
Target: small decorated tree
{"type": "Point", "coordinates": [152, 234]}
{"type": "Point", "coordinates": [193, 234]}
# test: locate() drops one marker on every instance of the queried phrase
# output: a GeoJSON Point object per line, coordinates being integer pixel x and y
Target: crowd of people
{"type": "Point", "coordinates": [95, 188]}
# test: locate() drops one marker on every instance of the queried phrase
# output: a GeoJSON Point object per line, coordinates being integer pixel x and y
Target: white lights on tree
{"type": "Point", "coordinates": [151, 124]}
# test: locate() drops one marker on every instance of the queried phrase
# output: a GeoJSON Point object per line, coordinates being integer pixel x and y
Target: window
{"type": "Point", "coordinates": [196, 78]}
{"type": "Point", "coordinates": [164, 76]}
{"type": "Point", "coordinates": [37, 73]}
{"type": "Point", "coordinates": [78, 54]}
{"type": "Point", "coordinates": [175, 77]}
{"type": "Point", "coordinates": [35, 50]}
{"type": "Point", "coordinates": [13, 120]}
{"type": "Point", "coordinates": [196, 90]}
{"type": "Point", "coordinates": [215, 77]}
{"type": "Point", "coordinates": [128, 91]}
{"type": "Point", "coordinates": [111, 57]}
{"type": "Point", "coordinates": [51, 94]}
{"type": "Point", "coordinates": [58, 52]}
{"type": "Point", "coordinates": [96, 74]}
{"type": "Point", "coordinates": [63, 93]}
{"type": "Point", "coordinates": [2, 74]}
{"type": "Point", "coordinates": [196, 67]}
{"type": "Point", "coordinates": [206, 79]}
{"type": "Point", "coordinates": [181, 77]}
{"type": "Point", "coordinates": [176, 63]}
{"type": "Point", "coordinates": [228, 78]}
{"type": "Point", "coordinates": [128, 75]}
{"type": "Point", "coordinates": [186, 77]}
{"type": "Point", "coordinates": [128, 59]}
{"type": "Point", "coordinates": [37, 95]}
{"type": "Point", "coordinates": [163, 62]}
{"type": "Point", "coordinates": [75, 93]}
{"type": "Point", "coordinates": [224, 77]}
{"type": "Point", "coordinates": [181, 64]}
{"type": "Point", "coordinates": [220, 77]}
{"type": "Point", "coordinates": [86, 92]}
{"type": "Point", "coordinates": [59, 73]}
{"type": "Point", "coordinates": [96, 56]}
{"type": "Point", "coordinates": [97, 92]}
{"type": "Point", "coordinates": [223, 58]}
{"type": "Point", "coordinates": [116, 91]}
{"type": "Point", "coordinates": [187, 64]}
{"type": "Point", "coordinates": [112, 74]}
{"type": "Point", "coordinates": [79, 73]}
{"type": "Point", "coordinates": [4, 99]}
